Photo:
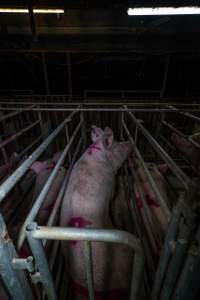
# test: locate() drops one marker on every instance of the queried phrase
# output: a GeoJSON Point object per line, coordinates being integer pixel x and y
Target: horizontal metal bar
{"type": "Point", "coordinates": [164, 102]}
{"type": "Point", "coordinates": [35, 209]}
{"type": "Point", "coordinates": [147, 173]}
{"type": "Point", "coordinates": [98, 235]}
{"type": "Point", "coordinates": [169, 161]}
{"type": "Point", "coordinates": [6, 187]}
{"type": "Point", "coordinates": [155, 110]}
{"type": "Point", "coordinates": [15, 113]}
{"type": "Point", "coordinates": [18, 134]}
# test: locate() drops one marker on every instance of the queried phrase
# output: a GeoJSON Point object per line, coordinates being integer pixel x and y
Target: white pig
{"type": "Point", "coordinates": [86, 204]}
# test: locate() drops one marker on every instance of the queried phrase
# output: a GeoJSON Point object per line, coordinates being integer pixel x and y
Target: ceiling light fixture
{"type": "Point", "coordinates": [154, 11]}
{"type": "Point", "coordinates": [35, 11]}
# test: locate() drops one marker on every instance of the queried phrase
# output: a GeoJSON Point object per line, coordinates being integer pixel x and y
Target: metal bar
{"type": "Point", "coordinates": [95, 235]}
{"type": "Point", "coordinates": [14, 280]}
{"type": "Point", "coordinates": [41, 262]}
{"type": "Point", "coordinates": [169, 161]}
{"type": "Point", "coordinates": [30, 146]}
{"type": "Point", "coordinates": [118, 103]}
{"type": "Point", "coordinates": [195, 118]}
{"type": "Point", "coordinates": [62, 190]}
{"type": "Point", "coordinates": [155, 110]}
{"type": "Point", "coordinates": [166, 251]}
{"type": "Point", "coordinates": [18, 134]}
{"type": "Point", "coordinates": [32, 21]}
{"type": "Point", "coordinates": [159, 197]}
{"type": "Point", "coordinates": [177, 259]}
{"type": "Point", "coordinates": [15, 113]}
{"type": "Point", "coordinates": [45, 74]}
{"type": "Point", "coordinates": [69, 75]}
{"type": "Point", "coordinates": [15, 177]}
{"type": "Point", "coordinates": [89, 269]}
{"type": "Point", "coordinates": [162, 93]}
{"type": "Point", "coordinates": [188, 138]}
{"type": "Point", "coordinates": [98, 235]}
{"type": "Point", "coordinates": [34, 211]}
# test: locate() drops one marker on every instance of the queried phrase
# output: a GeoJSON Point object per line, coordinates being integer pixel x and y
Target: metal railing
{"type": "Point", "coordinates": [35, 235]}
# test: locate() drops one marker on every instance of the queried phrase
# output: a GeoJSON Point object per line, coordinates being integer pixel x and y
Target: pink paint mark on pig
{"type": "Point", "coordinates": [78, 222]}
{"type": "Point", "coordinates": [92, 147]}
{"type": "Point", "coordinates": [149, 201]}
{"type": "Point", "coordinates": [107, 295]}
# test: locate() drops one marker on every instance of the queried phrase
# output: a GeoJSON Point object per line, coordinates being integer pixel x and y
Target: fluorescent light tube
{"type": "Point", "coordinates": [35, 11]}
{"type": "Point", "coordinates": [155, 11]}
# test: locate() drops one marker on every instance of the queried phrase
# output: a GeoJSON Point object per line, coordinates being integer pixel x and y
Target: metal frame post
{"type": "Point", "coordinates": [14, 279]}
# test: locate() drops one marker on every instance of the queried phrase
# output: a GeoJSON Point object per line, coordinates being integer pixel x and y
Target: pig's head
{"type": "Point", "coordinates": [106, 149]}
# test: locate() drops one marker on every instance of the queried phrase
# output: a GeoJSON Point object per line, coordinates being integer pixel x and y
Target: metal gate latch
{"type": "Point", "coordinates": [24, 264]}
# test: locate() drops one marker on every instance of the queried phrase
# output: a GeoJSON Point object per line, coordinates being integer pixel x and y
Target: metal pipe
{"type": "Point", "coordinates": [166, 251]}
{"type": "Point", "coordinates": [188, 138]}
{"type": "Point", "coordinates": [46, 79]}
{"type": "Point", "coordinates": [41, 262]}
{"type": "Point", "coordinates": [178, 258]}
{"type": "Point", "coordinates": [14, 280]}
{"type": "Point", "coordinates": [98, 235]}
{"type": "Point", "coordinates": [34, 211]}
{"type": "Point", "coordinates": [89, 269]}
{"type": "Point", "coordinates": [169, 161]}
{"type": "Point", "coordinates": [15, 113]}
{"type": "Point", "coordinates": [195, 118]}
{"type": "Point", "coordinates": [15, 177]}
{"type": "Point", "coordinates": [159, 197]}
{"type": "Point", "coordinates": [30, 146]}
{"type": "Point", "coordinates": [156, 110]}
{"type": "Point", "coordinates": [95, 235]}
{"type": "Point", "coordinates": [18, 134]}
{"type": "Point", "coordinates": [118, 103]}
{"type": "Point", "coordinates": [62, 190]}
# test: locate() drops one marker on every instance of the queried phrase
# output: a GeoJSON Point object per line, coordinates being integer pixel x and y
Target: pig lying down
{"type": "Point", "coordinates": [86, 205]}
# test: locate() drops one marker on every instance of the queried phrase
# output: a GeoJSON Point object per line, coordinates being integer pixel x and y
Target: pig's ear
{"type": "Point", "coordinates": [96, 133]}
{"type": "Point", "coordinates": [108, 137]}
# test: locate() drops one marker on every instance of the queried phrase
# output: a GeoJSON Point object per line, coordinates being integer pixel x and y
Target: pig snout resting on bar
{"type": "Point", "coordinates": [86, 205]}
{"type": "Point", "coordinates": [189, 150]}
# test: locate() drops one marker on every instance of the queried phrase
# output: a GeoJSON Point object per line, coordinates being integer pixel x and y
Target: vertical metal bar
{"type": "Point", "coordinates": [166, 251]}
{"type": "Point", "coordinates": [41, 261]}
{"type": "Point", "coordinates": [14, 280]}
{"type": "Point", "coordinates": [69, 76]}
{"type": "Point", "coordinates": [83, 130]}
{"type": "Point", "coordinates": [162, 93]}
{"type": "Point", "coordinates": [45, 74]}
{"type": "Point", "coordinates": [67, 136]}
{"type": "Point", "coordinates": [138, 266]}
{"type": "Point", "coordinates": [89, 268]}
{"type": "Point", "coordinates": [32, 22]}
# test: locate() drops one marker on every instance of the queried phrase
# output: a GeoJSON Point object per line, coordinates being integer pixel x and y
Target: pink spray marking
{"type": "Point", "coordinates": [149, 201]}
{"type": "Point", "coordinates": [107, 295]}
{"type": "Point", "coordinates": [78, 223]}
{"type": "Point", "coordinates": [92, 147]}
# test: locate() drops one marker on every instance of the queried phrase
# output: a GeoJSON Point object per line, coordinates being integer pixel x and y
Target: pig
{"type": "Point", "coordinates": [149, 195]}
{"type": "Point", "coordinates": [189, 150]}
{"type": "Point", "coordinates": [86, 205]}
{"type": "Point", "coordinates": [7, 167]}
